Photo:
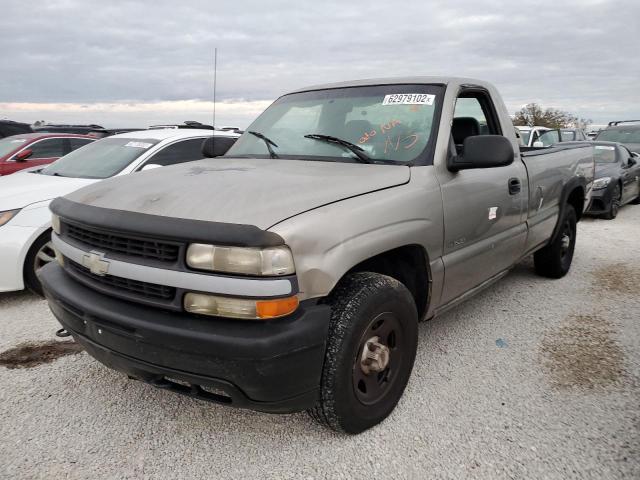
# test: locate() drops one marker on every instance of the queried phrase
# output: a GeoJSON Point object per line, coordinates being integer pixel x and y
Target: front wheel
{"type": "Point", "coordinates": [40, 254]}
{"type": "Point", "coordinates": [371, 347]}
{"type": "Point", "coordinates": [554, 260]}
{"type": "Point", "coordinates": [614, 206]}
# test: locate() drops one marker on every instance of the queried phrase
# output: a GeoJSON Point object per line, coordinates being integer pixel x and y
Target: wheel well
{"type": "Point", "coordinates": [409, 265]}
{"type": "Point", "coordinates": [576, 200]}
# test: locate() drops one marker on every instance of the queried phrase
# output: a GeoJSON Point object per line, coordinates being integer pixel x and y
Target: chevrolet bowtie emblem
{"type": "Point", "coordinates": [96, 263]}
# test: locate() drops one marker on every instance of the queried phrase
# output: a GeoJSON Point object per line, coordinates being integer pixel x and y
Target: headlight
{"type": "Point", "coordinates": [242, 308]}
{"type": "Point", "coordinates": [55, 223]}
{"type": "Point", "coordinates": [271, 261]}
{"type": "Point", "coordinates": [601, 183]}
{"type": "Point", "coordinates": [7, 215]}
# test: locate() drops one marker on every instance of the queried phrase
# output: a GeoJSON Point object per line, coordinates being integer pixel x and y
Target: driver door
{"type": "Point", "coordinates": [484, 208]}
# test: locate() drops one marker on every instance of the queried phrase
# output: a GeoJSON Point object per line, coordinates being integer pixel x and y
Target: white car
{"type": "Point", "coordinates": [25, 220]}
{"type": "Point", "coordinates": [529, 135]}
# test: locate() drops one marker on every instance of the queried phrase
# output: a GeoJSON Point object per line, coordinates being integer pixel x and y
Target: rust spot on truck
{"type": "Point", "coordinates": [582, 353]}
{"type": "Point", "coordinates": [617, 278]}
{"type": "Point", "coordinates": [32, 354]}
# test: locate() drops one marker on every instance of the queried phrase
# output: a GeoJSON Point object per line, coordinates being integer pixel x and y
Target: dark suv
{"type": "Point", "coordinates": [626, 132]}
{"type": "Point", "coordinates": [9, 128]}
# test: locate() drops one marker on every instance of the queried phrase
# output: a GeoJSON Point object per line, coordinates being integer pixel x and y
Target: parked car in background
{"type": "Point", "coordinates": [32, 149]}
{"type": "Point", "coordinates": [93, 130]}
{"type": "Point", "coordinates": [25, 220]}
{"type": "Point", "coordinates": [529, 135]}
{"type": "Point", "coordinates": [573, 135]}
{"type": "Point", "coordinates": [558, 135]}
{"type": "Point", "coordinates": [626, 132]}
{"type": "Point", "coordinates": [291, 273]}
{"type": "Point", "coordinates": [9, 128]}
{"type": "Point", "coordinates": [617, 179]}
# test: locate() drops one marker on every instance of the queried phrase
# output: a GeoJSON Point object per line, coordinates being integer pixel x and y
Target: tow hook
{"type": "Point", "coordinates": [62, 333]}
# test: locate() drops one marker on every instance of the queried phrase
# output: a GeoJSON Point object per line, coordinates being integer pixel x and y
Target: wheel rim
{"type": "Point", "coordinates": [45, 255]}
{"type": "Point", "coordinates": [379, 358]}
{"type": "Point", "coordinates": [565, 239]}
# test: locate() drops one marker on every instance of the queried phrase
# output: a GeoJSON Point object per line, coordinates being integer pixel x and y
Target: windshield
{"type": "Point", "coordinates": [604, 154]}
{"type": "Point", "coordinates": [390, 123]}
{"type": "Point", "coordinates": [8, 145]}
{"type": "Point", "coordinates": [622, 135]}
{"type": "Point", "coordinates": [100, 159]}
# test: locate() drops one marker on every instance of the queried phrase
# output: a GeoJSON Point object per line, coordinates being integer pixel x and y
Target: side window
{"type": "Point", "coordinates": [473, 115]}
{"type": "Point", "coordinates": [625, 155]}
{"type": "Point", "coordinates": [78, 142]}
{"type": "Point", "coordinates": [550, 137]}
{"type": "Point", "coordinates": [179, 152]}
{"type": "Point", "coordinates": [51, 147]}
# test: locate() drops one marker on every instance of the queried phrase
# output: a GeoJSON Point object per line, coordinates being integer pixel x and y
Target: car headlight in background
{"type": "Point", "coordinates": [241, 308]}
{"type": "Point", "coordinates": [55, 223]}
{"type": "Point", "coordinates": [7, 215]}
{"type": "Point", "coordinates": [601, 183]}
{"type": "Point", "coordinates": [270, 261]}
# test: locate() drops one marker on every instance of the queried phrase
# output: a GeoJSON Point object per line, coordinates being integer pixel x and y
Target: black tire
{"type": "Point", "coordinates": [364, 305]}
{"type": "Point", "coordinates": [554, 260]}
{"type": "Point", "coordinates": [614, 205]}
{"type": "Point", "coordinates": [40, 253]}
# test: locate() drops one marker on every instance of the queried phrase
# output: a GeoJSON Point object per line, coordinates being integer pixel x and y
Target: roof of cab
{"type": "Point", "coordinates": [434, 80]}
{"type": "Point", "coordinates": [170, 133]}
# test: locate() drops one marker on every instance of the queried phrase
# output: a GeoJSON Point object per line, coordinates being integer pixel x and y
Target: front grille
{"type": "Point", "coordinates": [125, 285]}
{"type": "Point", "coordinates": [118, 243]}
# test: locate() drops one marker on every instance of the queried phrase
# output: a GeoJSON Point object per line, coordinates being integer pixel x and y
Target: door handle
{"type": "Point", "coordinates": [514, 186]}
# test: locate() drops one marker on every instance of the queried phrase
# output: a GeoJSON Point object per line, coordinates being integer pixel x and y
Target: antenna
{"type": "Point", "coordinates": [215, 70]}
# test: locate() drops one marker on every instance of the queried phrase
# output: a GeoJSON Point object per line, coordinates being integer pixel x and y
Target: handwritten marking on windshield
{"type": "Point", "coordinates": [406, 141]}
{"type": "Point", "coordinates": [384, 128]}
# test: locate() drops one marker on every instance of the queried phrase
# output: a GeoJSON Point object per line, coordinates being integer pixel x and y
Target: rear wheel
{"type": "Point", "coordinates": [40, 254]}
{"type": "Point", "coordinates": [614, 206]}
{"type": "Point", "coordinates": [554, 260]}
{"type": "Point", "coordinates": [371, 348]}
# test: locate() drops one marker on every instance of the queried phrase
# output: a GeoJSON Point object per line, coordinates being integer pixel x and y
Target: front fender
{"type": "Point", "coordinates": [328, 241]}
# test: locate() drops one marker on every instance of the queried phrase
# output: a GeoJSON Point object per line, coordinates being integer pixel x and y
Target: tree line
{"type": "Point", "coordinates": [532, 114]}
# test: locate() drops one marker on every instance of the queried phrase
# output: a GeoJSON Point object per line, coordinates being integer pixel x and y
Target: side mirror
{"type": "Point", "coordinates": [217, 146]}
{"type": "Point", "coordinates": [538, 144]}
{"type": "Point", "coordinates": [150, 166]}
{"type": "Point", "coordinates": [632, 161]}
{"type": "Point", "coordinates": [23, 155]}
{"type": "Point", "coordinates": [483, 151]}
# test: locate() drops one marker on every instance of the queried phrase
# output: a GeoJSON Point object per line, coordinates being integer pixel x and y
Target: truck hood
{"type": "Point", "coordinates": [24, 188]}
{"type": "Point", "coordinates": [260, 192]}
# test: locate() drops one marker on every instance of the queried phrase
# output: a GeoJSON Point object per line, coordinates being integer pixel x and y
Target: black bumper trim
{"type": "Point", "coordinates": [267, 366]}
{"type": "Point", "coordinates": [164, 228]}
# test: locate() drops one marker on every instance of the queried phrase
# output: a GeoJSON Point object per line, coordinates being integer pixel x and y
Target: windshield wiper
{"type": "Point", "coordinates": [352, 147]}
{"type": "Point", "coordinates": [267, 141]}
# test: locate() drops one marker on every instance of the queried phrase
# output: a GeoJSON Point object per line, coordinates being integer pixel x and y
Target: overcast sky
{"type": "Point", "coordinates": [134, 63]}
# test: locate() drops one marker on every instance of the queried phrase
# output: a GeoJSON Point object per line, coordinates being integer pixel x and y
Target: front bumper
{"type": "Point", "coordinates": [600, 201]}
{"type": "Point", "coordinates": [270, 366]}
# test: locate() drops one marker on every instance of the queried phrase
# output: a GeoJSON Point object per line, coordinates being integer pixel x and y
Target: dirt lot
{"type": "Point", "coordinates": [530, 379]}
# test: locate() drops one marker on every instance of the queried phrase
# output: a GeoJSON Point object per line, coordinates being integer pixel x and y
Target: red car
{"type": "Point", "coordinates": [32, 149]}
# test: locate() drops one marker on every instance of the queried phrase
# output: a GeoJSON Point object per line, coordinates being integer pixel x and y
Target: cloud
{"type": "Point", "coordinates": [575, 55]}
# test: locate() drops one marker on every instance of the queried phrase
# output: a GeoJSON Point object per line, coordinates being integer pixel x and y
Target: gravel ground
{"type": "Point", "coordinates": [530, 379]}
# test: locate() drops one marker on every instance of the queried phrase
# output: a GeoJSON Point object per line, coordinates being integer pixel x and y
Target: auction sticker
{"type": "Point", "coordinates": [138, 144]}
{"type": "Point", "coordinates": [408, 99]}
